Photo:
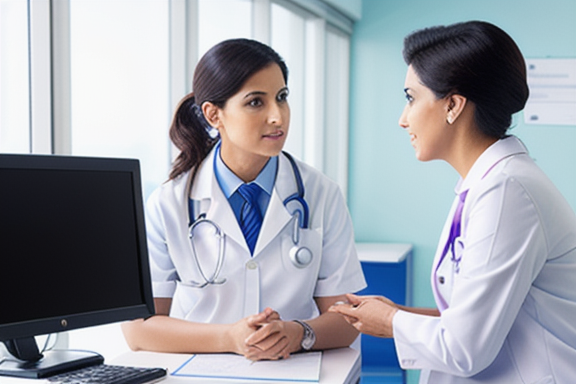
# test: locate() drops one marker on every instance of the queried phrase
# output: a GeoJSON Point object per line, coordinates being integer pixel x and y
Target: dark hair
{"type": "Point", "coordinates": [220, 73]}
{"type": "Point", "coordinates": [474, 59]}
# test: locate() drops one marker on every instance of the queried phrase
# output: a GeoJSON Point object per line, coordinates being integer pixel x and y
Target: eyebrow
{"type": "Point", "coordinates": [260, 93]}
{"type": "Point", "coordinates": [254, 93]}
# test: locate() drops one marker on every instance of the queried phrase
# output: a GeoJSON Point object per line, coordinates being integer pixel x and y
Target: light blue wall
{"type": "Point", "coordinates": [351, 8]}
{"type": "Point", "coordinates": [393, 196]}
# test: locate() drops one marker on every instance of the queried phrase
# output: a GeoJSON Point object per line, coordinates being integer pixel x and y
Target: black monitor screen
{"type": "Point", "coordinates": [72, 244]}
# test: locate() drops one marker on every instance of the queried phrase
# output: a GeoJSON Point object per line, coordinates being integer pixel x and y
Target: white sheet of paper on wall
{"type": "Point", "coordinates": [552, 84]}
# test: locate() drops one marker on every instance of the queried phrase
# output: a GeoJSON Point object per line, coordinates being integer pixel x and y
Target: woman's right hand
{"type": "Point", "coordinates": [371, 315]}
{"type": "Point", "coordinates": [242, 329]}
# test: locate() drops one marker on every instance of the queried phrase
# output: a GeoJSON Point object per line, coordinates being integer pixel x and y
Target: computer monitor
{"type": "Point", "coordinates": [73, 254]}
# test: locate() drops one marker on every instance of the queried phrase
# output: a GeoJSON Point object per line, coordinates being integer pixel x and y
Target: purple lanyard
{"type": "Point", "coordinates": [455, 231]}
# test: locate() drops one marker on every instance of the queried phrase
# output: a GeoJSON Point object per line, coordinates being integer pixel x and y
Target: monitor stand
{"type": "Point", "coordinates": [28, 362]}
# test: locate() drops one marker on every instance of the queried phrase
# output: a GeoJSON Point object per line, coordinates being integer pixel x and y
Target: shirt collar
{"type": "Point", "coordinates": [229, 182]}
{"type": "Point", "coordinates": [497, 152]}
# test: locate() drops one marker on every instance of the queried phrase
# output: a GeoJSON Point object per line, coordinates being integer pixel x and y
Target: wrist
{"type": "Point", "coordinates": [308, 338]}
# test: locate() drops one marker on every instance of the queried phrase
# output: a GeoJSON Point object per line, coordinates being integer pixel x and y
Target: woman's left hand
{"type": "Point", "coordinates": [274, 340]}
{"type": "Point", "coordinates": [371, 315]}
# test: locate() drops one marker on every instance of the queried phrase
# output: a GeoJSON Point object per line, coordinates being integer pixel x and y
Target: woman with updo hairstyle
{"type": "Point", "coordinates": [249, 247]}
{"type": "Point", "coordinates": [504, 270]}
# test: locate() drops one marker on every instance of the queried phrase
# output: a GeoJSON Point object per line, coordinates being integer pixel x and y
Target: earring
{"type": "Point", "coordinates": [449, 119]}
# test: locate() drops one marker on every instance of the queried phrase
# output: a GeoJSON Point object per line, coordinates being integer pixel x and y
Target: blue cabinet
{"type": "Point", "coordinates": [387, 268]}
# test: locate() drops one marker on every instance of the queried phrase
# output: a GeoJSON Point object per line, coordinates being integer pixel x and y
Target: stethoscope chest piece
{"type": "Point", "coordinates": [301, 257]}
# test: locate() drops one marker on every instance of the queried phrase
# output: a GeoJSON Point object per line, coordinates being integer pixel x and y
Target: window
{"type": "Point", "coordinates": [337, 101]}
{"type": "Point", "coordinates": [14, 77]}
{"type": "Point", "coordinates": [114, 71]}
{"type": "Point", "coordinates": [291, 46]}
{"type": "Point", "coordinates": [215, 26]}
{"type": "Point", "coordinates": [120, 82]}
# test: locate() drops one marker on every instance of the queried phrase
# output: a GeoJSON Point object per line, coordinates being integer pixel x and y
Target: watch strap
{"type": "Point", "coordinates": [309, 336]}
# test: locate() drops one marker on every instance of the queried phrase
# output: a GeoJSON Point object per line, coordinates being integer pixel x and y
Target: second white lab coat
{"type": "Point", "coordinates": [512, 299]}
{"type": "Point", "coordinates": [266, 279]}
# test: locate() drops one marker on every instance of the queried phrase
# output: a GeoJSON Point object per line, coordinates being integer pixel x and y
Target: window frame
{"type": "Point", "coordinates": [50, 124]}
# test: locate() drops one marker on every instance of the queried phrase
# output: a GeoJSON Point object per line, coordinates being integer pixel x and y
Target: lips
{"type": "Point", "coordinates": [275, 135]}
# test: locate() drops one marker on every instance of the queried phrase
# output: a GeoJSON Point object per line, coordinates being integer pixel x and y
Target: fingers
{"type": "Point", "coordinates": [264, 317]}
{"type": "Point", "coordinates": [266, 335]}
{"type": "Point", "coordinates": [353, 299]}
{"type": "Point", "coordinates": [273, 347]}
{"type": "Point", "coordinates": [256, 354]}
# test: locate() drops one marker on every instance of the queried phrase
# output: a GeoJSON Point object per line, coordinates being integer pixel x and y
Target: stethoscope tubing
{"type": "Point", "coordinates": [301, 220]}
{"type": "Point", "coordinates": [221, 254]}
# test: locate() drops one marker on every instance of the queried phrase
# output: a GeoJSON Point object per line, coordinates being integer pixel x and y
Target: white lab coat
{"type": "Point", "coordinates": [512, 305]}
{"type": "Point", "coordinates": [266, 279]}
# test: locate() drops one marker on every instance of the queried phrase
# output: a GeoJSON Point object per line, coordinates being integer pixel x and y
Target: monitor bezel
{"type": "Point", "coordinates": [49, 325]}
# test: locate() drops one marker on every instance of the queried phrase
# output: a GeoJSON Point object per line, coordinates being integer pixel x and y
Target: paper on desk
{"type": "Point", "coordinates": [304, 367]}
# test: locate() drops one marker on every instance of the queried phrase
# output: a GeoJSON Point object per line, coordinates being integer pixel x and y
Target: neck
{"type": "Point", "coordinates": [469, 151]}
{"type": "Point", "coordinates": [246, 167]}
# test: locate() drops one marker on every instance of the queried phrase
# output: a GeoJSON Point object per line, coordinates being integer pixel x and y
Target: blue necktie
{"type": "Point", "coordinates": [250, 216]}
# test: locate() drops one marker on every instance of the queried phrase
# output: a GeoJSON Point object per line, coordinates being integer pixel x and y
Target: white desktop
{"type": "Point", "coordinates": [340, 365]}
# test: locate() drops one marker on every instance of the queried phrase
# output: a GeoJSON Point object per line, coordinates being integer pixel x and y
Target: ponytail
{"type": "Point", "coordinates": [190, 134]}
{"type": "Point", "coordinates": [219, 74]}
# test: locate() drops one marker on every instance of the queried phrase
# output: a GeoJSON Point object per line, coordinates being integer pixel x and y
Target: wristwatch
{"type": "Point", "coordinates": [309, 337]}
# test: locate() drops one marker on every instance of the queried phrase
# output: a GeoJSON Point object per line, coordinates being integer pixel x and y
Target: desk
{"type": "Point", "coordinates": [341, 365]}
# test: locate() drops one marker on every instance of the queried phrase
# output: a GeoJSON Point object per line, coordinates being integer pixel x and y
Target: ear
{"type": "Point", "coordinates": [211, 114]}
{"type": "Point", "coordinates": [455, 106]}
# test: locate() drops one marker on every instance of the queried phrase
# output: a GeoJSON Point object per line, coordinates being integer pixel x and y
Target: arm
{"type": "Point", "coordinates": [332, 331]}
{"type": "Point", "coordinates": [279, 339]}
{"type": "Point", "coordinates": [166, 334]}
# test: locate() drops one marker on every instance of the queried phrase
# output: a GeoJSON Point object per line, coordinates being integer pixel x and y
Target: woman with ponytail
{"type": "Point", "coordinates": [249, 247]}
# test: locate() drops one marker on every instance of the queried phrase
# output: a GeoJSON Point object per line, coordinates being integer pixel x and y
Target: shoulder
{"type": "Point", "coordinates": [169, 190]}
{"type": "Point", "coordinates": [312, 177]}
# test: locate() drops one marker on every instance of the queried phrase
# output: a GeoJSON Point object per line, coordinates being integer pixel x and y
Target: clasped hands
{"type": "Point", "coordinates": [264, 336]}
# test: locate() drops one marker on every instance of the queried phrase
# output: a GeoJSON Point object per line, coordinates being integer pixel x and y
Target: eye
{"type": "Point", "coordinates": [282, 96]}
{"type": "Point", "coordinates": [255, 102]}
{"type": "Point", "coordinates": [409, 98]}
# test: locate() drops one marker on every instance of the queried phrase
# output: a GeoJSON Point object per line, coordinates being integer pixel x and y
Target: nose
{"type": "Point", "coordinates": [403, 122]}
{"type": "Point", "coordinates": [275, 115]}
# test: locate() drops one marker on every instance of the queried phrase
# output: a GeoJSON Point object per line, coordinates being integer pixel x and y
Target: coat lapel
{"type": "Point", "coordinates": [207, 191]}
{"type": "Point", "coordinates": [277, 216]}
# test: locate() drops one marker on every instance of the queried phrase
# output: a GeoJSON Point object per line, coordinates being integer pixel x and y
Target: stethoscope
{"type": "Point", "coordinates": [300, 256]}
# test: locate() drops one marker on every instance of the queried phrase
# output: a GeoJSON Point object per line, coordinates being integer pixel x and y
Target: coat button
{"type": "Point", "coordinates": [251, 265]}
{"type": "Point", "coordinates": [441, 279]}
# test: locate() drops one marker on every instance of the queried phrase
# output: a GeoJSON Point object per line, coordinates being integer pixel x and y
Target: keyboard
{"type": "Point", "coordinates": [109, 374]}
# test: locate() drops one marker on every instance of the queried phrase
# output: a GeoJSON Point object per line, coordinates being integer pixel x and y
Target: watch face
{"type": "Point", "coordinates": [307, 342]}
{"type": "Point", "coordinates": [308, 338]}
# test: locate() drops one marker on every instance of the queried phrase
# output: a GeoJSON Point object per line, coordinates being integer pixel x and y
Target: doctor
{"type": "Point", "coordinates": [250, 272]}
{"type": "Point", "coordinates": [503, 276]}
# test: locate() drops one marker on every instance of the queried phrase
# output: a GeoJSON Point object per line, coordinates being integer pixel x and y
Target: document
{"type": "Point", "coordinates": [303, 367]}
